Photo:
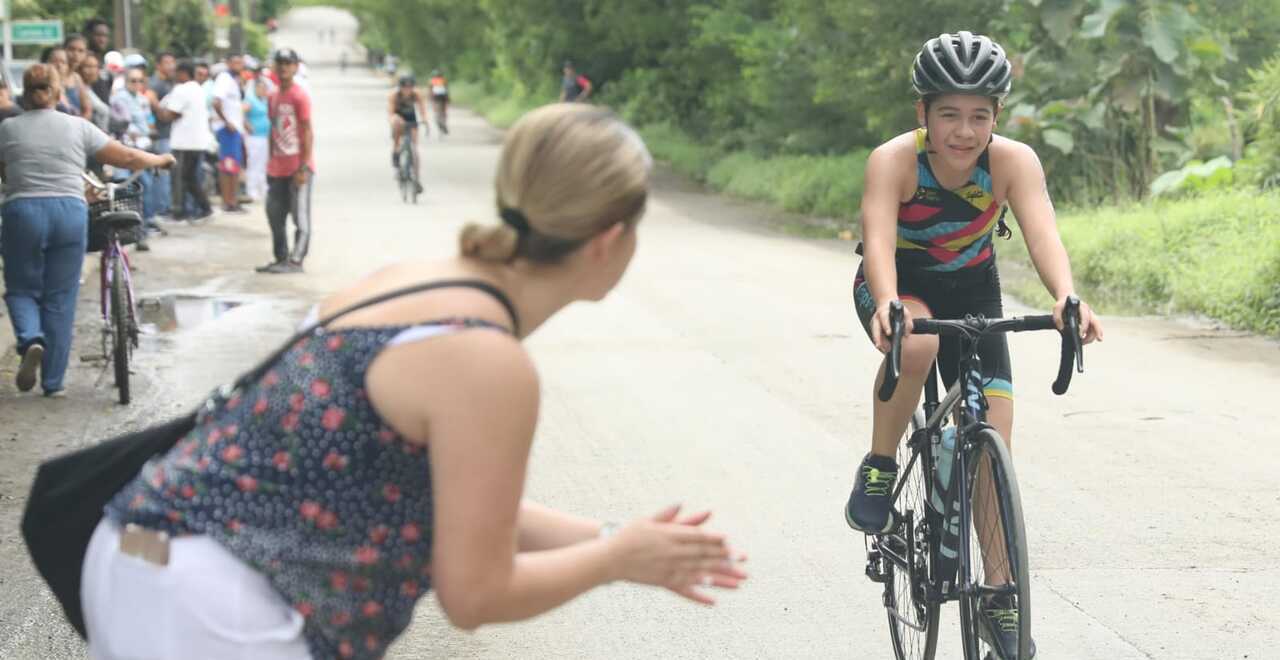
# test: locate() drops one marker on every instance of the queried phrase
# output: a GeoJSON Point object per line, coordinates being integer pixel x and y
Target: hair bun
{"type": "Point", "coordinates": [496, 243]}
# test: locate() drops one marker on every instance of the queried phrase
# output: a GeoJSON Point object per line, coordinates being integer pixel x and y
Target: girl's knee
{"type": "Point", "coordinates": [918, 354]}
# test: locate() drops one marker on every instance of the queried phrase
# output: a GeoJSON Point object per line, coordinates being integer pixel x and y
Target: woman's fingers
{"type": "Point", "coordinates": [693, 595]}
{"type": "Point", "coordinates": [696, 519]}
{"type": "Point", "coordinates": [668, 514]}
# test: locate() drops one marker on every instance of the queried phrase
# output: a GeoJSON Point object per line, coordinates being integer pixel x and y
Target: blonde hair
{"type": "Point", "coordinates": [41, 86]}
{"type": "Point", "coordinates": [568, 171]}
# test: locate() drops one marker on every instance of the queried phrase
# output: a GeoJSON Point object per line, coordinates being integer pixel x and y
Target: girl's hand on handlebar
{"type": "Point", "coordinates": [1090, 325]}
{"type": "Point", "coordinates": [166, 161]}
{"type": "Point", "coordinates": [882, 330]}
{"type": "Point", "coordinates": [677, 554]}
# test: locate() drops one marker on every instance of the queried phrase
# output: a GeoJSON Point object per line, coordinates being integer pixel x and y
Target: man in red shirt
{"type": "Point", "coordinates": [290, 168]}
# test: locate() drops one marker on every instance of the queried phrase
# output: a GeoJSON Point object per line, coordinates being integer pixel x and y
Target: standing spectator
{"type": "Point", "coordinates": [99, 33]}
{"type": "Point", "coordinates": [258, 129]}
{"type": "Point", "coordinates": [425, 433]}
{"type": "Point", "coordinates": [228, 126]}
{"type": "Point", "coordinates": [188, 137]}
{"type": "Point", "coordinates": [574, 87]}
{"type": "Point", "coordinates": [42, 153]}
{"type": "Point", "coordinates": [8, 108]}
{"type": "Point", "coordinates": [100, 110]}
{"type": "Point", "coordinates": [291, 168]}
{"type": "Point", "coordinates": [113, 65]}
{"type": "Point", "coordinates": [76, 88]}
{"type": "Point", "coordinates": [130, 107]}
{"type": "Point", "coordinates": [162, 82]}
{"type": "Point", "coordinates": [56, 56]}
{"type": "Point", "coordinates": [101, 81]}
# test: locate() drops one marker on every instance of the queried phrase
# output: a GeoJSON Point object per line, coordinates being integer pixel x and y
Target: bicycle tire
{"type": "Point", "coordinates": [910, 643]}
{"type": "Point", "coordinates": [1005, 547]}
{"type": "Point", "coordinates": [120, 329]}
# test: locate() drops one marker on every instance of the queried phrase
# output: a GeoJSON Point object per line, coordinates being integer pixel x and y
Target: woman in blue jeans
{"type": "Point", "coordinates": [42, 153]}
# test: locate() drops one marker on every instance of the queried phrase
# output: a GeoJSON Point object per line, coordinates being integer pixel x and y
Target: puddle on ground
{"type": "Point", "coordinates": [180, 312]}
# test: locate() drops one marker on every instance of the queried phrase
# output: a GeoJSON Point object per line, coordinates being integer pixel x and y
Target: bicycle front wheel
{"type": "Point", "coordinates": [120, 314]}
{"type": "Point", "coordinates": [998, 565]}
{"type": "Point", "coordinates": [913, 620]}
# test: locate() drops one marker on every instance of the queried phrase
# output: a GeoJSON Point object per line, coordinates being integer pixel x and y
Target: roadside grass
{"type": "Point", "coordinates": [1216, 255]}
{"type": "Point", "coordinates": [500, 109]}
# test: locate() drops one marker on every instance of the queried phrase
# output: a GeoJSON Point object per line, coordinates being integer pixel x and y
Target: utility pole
{"type": "Point", "coordinates": [119, 18]}
{"type": "Point", "coordinates": [237, 27]}
{"type": "Point", "coordinates": [8, 45]}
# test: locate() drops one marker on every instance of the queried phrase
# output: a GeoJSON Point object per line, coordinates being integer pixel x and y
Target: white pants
{"type": "Point", "coordinates": [256, 169]}
{"type": "Point", "coordinates": [205, 604]}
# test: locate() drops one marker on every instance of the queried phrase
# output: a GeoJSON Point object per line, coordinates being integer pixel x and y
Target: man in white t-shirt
{"type": "Point", "coordinates": [228, 126]}
{"type": "Point", "coordinates": [188, 137]}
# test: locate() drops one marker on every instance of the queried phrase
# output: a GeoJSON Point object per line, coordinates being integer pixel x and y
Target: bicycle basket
{"type": "Point", "coordinates": [127, 199]}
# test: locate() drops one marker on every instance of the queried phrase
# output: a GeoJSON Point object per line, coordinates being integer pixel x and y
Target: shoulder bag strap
{"type": "Point", "coordinates": [226, 391]}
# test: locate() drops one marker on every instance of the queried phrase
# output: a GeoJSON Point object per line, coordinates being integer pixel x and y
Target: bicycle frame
{"type": "Point", "coordinates": [110, 253]}
{"type": "Point", "coordinates": [966, 402]}
{"type": "Point", "coordinates": [408, 153]}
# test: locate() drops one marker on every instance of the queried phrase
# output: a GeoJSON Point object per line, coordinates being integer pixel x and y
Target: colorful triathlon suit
{"type": "Point", "coordinates": [946, 261]}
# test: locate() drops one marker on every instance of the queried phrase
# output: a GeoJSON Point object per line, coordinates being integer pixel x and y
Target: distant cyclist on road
{"type": "Point", "coordinates": [933, 200]}
{"type": "Point", "coordinates": [440, 100]}
{"type": "Point", "coordinates": [574, 87]}
{"type": "Point", "coordinates": [404, 107]}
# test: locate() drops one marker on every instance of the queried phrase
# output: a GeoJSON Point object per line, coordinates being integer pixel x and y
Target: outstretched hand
{"type": "Point", "coordinates": [674, 552]}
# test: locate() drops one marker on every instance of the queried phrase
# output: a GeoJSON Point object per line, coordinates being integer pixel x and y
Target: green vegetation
{"type": "Point", "coordinates": [1216, 255]}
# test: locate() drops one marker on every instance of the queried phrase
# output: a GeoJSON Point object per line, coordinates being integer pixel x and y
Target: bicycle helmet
{"type": "Point", "coordinates": [962, 63]}
{"type": "Point", "coordinates": [408, 80]}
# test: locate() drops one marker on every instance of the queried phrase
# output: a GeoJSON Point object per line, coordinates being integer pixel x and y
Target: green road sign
{"type": "Point", "coordinates": [36, 32]}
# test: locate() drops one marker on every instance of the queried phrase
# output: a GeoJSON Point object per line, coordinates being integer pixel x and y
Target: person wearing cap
{"type": "Point", "coordinates": [113, 67]}
{"type": "Point", "coordinates": [290, 169]}
{"type": "Point", "coordinates": [131, 109]}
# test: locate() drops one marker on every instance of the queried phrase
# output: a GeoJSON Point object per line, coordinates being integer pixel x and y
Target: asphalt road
{"type": "Point", "coordinates": [727, 371]}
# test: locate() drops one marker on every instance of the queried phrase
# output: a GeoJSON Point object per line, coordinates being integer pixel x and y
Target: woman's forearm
{"type": "Point", "coordinates": [539, 582]}
{"type": "Point", "coordinates": [544, 528]}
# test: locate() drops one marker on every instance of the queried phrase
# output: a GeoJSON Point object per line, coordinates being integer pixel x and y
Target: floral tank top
{"type": "Point", "coordinates": [299, 477]}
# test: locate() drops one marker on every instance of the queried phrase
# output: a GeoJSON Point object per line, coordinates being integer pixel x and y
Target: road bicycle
{"type": "Point", "coordinates": [405, 172]}
{"type": "Point", "coordinates": [115, 220]}
{"type": "Point", "coordinates": [958, 532]}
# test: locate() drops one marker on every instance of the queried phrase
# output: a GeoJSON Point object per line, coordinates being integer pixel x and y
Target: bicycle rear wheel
{"type": "Point", "coordinates": [913, 621]}
{"type": "Point", "coordinates": [997, 549]}
{"type": "Point", "coordinates": [120, 315]}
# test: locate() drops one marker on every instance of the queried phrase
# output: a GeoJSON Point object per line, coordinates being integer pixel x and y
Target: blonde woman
{"type": "Point", "coordinates": [386, 455]}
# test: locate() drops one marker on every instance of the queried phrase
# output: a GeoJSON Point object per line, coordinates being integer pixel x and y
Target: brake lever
{"type": "Point", "coordinates": [893, 360]}
{"type": "Point", "coordinates": [1072, 351]}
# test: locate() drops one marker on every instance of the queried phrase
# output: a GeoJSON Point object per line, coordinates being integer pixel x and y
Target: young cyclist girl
{"type": "Point", "coordinates": [932, 201]}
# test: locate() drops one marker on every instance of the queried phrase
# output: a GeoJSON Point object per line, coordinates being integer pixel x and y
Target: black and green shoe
{"type": "Point", "coordinates": [999, 628]}
{"type": "Point", "coordinates": [870, 506]}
